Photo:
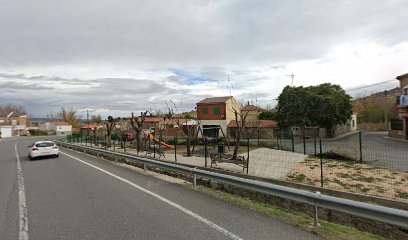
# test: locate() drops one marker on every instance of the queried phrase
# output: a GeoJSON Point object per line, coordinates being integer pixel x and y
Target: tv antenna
{"type": "Point", "coordinates": [292, 76]}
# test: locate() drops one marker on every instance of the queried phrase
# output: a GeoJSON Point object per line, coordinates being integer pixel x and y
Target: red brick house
{"type": "Point", "coordinates": [399, 128]}
{"type": "Point", "coordinates": [215, 113]}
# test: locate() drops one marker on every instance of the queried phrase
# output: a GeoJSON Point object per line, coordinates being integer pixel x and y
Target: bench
{"type": "Point", "coordinates": [151, 151]}
{"type": "Point", "coordinates": [227, 158]}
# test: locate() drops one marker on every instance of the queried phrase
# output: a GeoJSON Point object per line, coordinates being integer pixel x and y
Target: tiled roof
{"type": "Point", "coordinates": [153, 120]}
{"type": "Point", "coordinates": [215, 100]}
{"type": "Point", "coordinates": [255, 124]}
{"type": "Point", "coordinates": [61, 124]}
{"type": "Point", "coordinates": [402, 76]}
{"type": "Point", "coordinates": [92, 126]}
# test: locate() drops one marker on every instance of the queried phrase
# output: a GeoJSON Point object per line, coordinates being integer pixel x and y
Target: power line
{"type": "Point", "coordinates": [371, 85]}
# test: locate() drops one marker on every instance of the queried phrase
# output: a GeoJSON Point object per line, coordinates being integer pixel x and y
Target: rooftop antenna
{"type": "Point", "coordinates": [291, 76]}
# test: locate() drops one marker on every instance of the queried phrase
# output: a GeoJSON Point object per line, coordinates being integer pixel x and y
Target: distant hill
{"type": "Point", "coordinates": [372, 108]}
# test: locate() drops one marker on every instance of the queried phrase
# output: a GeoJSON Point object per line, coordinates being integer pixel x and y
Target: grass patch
{"type": "Point", "coordinates": [402, 194]}
{"type": "Point", "coordinates": [326, 229]}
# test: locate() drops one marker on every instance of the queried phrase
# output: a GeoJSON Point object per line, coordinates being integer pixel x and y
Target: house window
{"type": "Point", "coordinates": [405, 91]}
{"type": "Point", "coordinates": [205, 110]}
{"type": "Point", "coordinates": [217, 111]}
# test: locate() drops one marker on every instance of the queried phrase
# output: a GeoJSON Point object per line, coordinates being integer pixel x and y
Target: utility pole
{"type": "Point", "coordinates": [385, 110]}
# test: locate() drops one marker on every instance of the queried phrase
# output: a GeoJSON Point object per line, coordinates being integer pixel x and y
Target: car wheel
{"type": "Point", "coordinates": [30, 158]}
{"type": "Point", "coordinates": [56, 156]}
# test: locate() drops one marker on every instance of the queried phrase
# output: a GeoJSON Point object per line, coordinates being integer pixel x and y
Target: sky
{"type": "Point", "coordinates": [117, 57]}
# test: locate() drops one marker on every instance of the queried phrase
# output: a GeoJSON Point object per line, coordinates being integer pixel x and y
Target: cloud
{"type": "Point", "coordinates": [137, 55]}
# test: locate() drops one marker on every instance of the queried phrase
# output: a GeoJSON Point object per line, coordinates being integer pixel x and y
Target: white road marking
{"type": "Point", "coordinates": [22, 206]}
{"type": "Point", "coordinates": [173, 204]}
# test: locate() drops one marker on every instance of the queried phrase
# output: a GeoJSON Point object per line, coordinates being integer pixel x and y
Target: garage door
{"type": "Point", "coordinates": [6, 132]}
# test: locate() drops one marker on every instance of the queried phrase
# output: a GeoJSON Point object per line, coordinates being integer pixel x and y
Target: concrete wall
{"type": "Point", "coordinates": [231, 106]}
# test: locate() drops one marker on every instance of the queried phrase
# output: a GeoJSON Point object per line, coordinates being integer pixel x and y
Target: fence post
{"type": "Point", "coordinates": [304, 142]}
{"type": "Point", "coordinates": [258, 136]}
{"type": "Point", "coordinates": [247, 155]}
{"type": "Point", "coordinates": [314, 137]}
{"type": "Point", "coordinates": [321, 163]}
{"type": "Point", "coordinates": [293, 142]}
{"type": "Point", "coordinates": [154, 149]}
{"type": "Point", "coordinates": [114, 145]}
{"type": "Point", "coordinates": [175, 149]}
{"type": "Point", "coordinates": [277, 140]}
{"type": "Point", "coordinates": [361, 146]}
{"type": "Point", "coordinates": [205, 151]}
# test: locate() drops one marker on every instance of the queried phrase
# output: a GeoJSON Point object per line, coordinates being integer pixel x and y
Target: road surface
{"type": "Point", "coordinates": [80, 197]}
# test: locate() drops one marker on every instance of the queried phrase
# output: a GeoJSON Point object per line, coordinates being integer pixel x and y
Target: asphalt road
{"type": "Point", "coordinates": [80, 197]}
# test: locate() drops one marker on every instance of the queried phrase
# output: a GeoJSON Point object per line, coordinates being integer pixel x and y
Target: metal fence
{"type": "Point", "coordinates": [365, 162]}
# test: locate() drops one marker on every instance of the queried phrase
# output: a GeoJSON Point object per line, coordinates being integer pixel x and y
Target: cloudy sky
{"type": "Point", "coordinates": [114, 57]}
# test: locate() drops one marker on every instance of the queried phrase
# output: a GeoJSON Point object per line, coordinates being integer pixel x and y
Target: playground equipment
{"type": "Point", "coordinates": [200, 130]}
{"type": "Point", "coordinates": [158, 141]}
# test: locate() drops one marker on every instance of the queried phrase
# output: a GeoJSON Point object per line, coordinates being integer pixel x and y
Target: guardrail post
{"type": "Point", "coordinates": [194, 180]}
{"type": "Point", "coordinates": [124, 145]}
{"type": "Point", "coordinates": [315, 213]}
{"type": "Point", "coordinates": [144, 167]}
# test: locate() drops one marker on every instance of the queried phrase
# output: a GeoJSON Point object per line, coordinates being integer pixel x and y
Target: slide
{"type": "Point", "coordinates": [162, 143]}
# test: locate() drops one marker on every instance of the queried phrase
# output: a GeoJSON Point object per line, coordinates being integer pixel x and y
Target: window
{"type": "Point", "coordinates": [205, 110]}
{"type": "Point", "coordinates": [405, 90]}
{"type": "Point", "coordinates": [217, 111]}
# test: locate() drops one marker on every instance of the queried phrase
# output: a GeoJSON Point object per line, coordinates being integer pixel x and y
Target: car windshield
{"type": "Point", "coordinates": [45, 144]}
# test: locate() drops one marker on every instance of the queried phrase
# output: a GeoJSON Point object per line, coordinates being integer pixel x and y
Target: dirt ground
{"type": "Point", "coordinates": [353, 177]}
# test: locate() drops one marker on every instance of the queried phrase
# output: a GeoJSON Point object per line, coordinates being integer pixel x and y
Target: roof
{"type": "Point", "coordinates": [153, 120]}
{"type": "Point", "coordinates": [61, 124]}
{"type": "Point", "coordinates": [12, 114]}
{"type": "Point", "coordinates": [251, 108]}
{"type": "Point", "coordinates": [91, 126]}
{"type": "Point", "coordinates": [402, 76]}
{"type": "Point", "coordinates": [255, 124]}
{"type": "Point", "coordinates": [215, 100]}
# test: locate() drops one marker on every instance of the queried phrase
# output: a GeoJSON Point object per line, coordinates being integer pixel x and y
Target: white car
{"type": "Point", "coordinates": [42, 149]}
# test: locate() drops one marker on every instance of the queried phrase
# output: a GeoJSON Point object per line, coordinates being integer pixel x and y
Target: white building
{"type": "Point", "coordinates": [57, 128]}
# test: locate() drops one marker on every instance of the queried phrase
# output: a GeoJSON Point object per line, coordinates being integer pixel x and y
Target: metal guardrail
{"type": "Point", "coordinates": [379, 213]}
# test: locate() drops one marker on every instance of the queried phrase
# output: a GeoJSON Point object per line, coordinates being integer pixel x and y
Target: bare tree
{"type": "Point", "coordinates": [16, 109]}
{"type": "Point", "coordinates": [96, 119]}
{"type": "Point", "coordinates": [190, 131]}
{"type": "Point", "coordinates": [240, 119]}
{"type": "Point", "coordinates": [69, 115]}
{"type": "Point", "coordinates": [110, 125]}
{"type": "Point", "coordinates": [52, 116]}
{"type": "Point", "coordinates": [137, 125]}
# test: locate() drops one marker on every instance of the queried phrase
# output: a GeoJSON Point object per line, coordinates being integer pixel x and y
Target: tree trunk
{"type": "Point", "coordinates": [237, 142]}
{"type": "Point", "coordinates": [138, 133]}
{"type": "Point", "coordinates": [188, 143]}
{"type": "Point", "coordinates": [109, 138]}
